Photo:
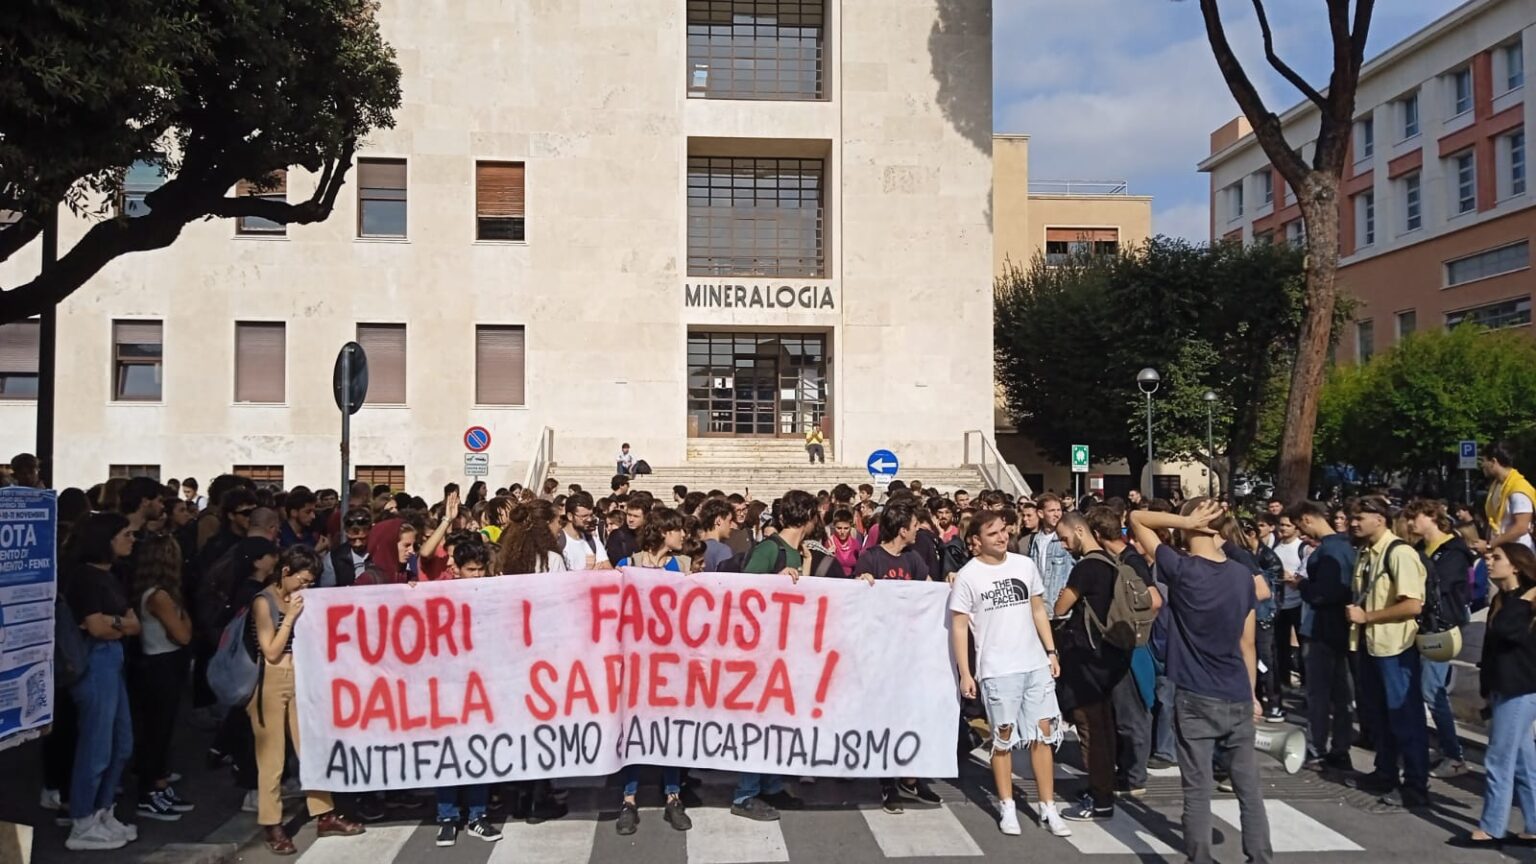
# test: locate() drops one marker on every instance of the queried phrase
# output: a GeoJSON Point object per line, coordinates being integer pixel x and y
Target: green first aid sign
{"type": "Point", "coordinates": [1079, 458]}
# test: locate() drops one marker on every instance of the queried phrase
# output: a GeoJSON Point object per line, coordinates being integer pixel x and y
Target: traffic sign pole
{"type": "Point", "coordinates": [346, 426]}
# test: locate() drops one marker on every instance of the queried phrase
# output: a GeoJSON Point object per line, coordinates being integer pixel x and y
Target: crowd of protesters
{"type": "Point", "coordinates": [1159, 632]}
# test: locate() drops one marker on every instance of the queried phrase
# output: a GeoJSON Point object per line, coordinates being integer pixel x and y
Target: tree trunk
{"type": "Point", "coordinates": [1320, 210]}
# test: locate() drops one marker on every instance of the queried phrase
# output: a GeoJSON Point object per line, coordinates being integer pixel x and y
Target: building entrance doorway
{"type": "Point", "coordinates": [759, 385]}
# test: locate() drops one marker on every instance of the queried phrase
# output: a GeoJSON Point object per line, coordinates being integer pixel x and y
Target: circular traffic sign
{"type": "Point", "coordinates": [477, 439]}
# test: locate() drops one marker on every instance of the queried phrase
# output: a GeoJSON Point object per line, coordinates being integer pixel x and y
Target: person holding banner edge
{"type": "Point", "coordinates": [274, 707]}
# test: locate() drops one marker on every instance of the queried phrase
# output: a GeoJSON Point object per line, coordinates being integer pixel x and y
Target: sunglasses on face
{"type": "Point", "coordinates": [358, 523]}
{"type": "Point", "coordinates": [245, 511]}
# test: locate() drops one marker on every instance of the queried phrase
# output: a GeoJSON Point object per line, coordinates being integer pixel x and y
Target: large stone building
{"type": "Point", "coordinates": [645, 220]}
{"type": "Point", "coordinates": [1436, 219]}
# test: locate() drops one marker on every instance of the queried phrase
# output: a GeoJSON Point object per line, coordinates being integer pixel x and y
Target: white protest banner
{"type": "Point", "coordinates": [577, 674]}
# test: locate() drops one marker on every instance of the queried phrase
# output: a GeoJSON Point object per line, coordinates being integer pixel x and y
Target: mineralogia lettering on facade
{"type": "Point", "coordinates": [713, 296]}
{"type": "Point", "coordinates": [521, 677]}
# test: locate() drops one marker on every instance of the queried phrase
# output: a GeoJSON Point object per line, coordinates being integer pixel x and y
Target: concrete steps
{"type": "Point", "coordinates": [750, 451]}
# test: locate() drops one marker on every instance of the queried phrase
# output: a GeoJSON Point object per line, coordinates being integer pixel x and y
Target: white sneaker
{"type": "Point", "coordinates": [109, 820]}
{"type": "Point", "coordinates": [1008, 818]}
{"type": "Point", "coordinates": [251, 803]}
{"type": "Point", "coordinates": [88, 834]}
{"type": "Point", "coordinates": [1051, 820]}
{"type": "Point", "coordinates": [50, 800]}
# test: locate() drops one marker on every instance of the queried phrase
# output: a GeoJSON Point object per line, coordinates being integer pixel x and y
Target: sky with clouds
{"type": "Point", "coordinates": [1128, 90]}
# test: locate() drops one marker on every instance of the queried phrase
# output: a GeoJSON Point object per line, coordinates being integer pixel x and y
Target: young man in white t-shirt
{"type": "Point", "coordinates": [999, 597]}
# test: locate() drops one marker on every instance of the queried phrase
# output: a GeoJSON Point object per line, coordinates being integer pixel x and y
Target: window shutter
{"type": "Point", "coordinates": [381, 173]}
{"type": "Point", "coordinates": [1072, 235]}
{"type": "Point", "coordinates": [499, 365]}
{"type": "Point", "coordinates": [136, 332]}
{"type": "Point", "coordinates": [260, 356]}
{"type": "Point", "coordinates": [246, 187]}
{"type": "Point", "coordinates": [499, 189]}
{"type": "Point", "coordinates": [19, 345]}
{"type": "Point", "coordinates": [385, 346]}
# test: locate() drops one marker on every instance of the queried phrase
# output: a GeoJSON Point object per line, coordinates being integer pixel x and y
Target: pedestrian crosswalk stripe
{"type": "Point", "coordinates": [1118, 835]}
{"type": "Point", "coordinates": [1290, 830]}
{"type": "Point", "coordinates": [721, 838]}
{"type": "Point", "coordinates": [564, 841]}
{"type": "Point", "coordinates": [927, 832]}
{"type": "Point", "coordinates": [379, 843]}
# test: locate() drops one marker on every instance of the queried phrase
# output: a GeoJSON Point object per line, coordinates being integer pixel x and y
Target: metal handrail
{"type": "Point", "coordinates": [543, 454]}
{"type": "Point", "coordinates": [996, 470]}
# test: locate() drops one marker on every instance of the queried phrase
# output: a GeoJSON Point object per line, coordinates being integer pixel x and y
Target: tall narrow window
{"type": "Point", "coordinates": [18, 359]}
{"type": "Point", "coordinates": [1296, 233]}
{"type": "Point", "coordinates": [1461, 91]}
{"type": "Point", "coordinates": [500, 353]}
{"type": "Point", "coordinates": [261, 350]}
{"type": "Point", "coordinates": [1266, 179]}
{"type": "Point", "coordinates": [381, 197]}
{"type": "Point", "coordinates": [384, 344]}
{"type": "Point", "coordinates": [1464, 175]}
{"type": "Point", "coordinates": [1514, 66]}
{"type": "Point", "coordinates": [137, 354]}
{"type": "Point", "coordinates": [1365, 340]}
{"type": "Point", "coordinates": [1517, 164]}
{"type": "Point", "coordinates": [1410, 115]}
{"type": "Point", "coordinates": [1365, 218]}
{"type": "Point", "coordinates": [1413, 205]}
{"type": "Point", "coordinates": [1235, 202]}
{"type": "Point", "coordinates": [500, 202]}
{"type": "Point", "coordinates": [272, 188]}
{"type": "Point", "coordinates": [1367, 133]}
{"type": "Point", "coordinates": [142, 178]}
{"type": "Point", "coordinates": [1407, 322]}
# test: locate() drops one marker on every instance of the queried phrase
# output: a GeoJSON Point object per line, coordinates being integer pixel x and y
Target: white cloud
{"type": "Point", "coordinates": [1191, 221]}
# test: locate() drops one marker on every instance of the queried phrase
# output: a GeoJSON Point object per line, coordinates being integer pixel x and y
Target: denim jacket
{"type": "Point", "coordinates": [1054, 563]}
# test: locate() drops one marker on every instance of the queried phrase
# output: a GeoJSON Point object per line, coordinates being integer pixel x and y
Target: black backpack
{"type": "Point", "coordinates": [738, 563]}
{"type": "Point", "coordinates": [952, 556]}
{"type": "Point", "coordinates": [642, 467]}
{"type": "Point", "coordinates": [1442, 611]}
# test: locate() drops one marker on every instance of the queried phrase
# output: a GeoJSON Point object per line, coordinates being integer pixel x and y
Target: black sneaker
{"type": "Point", "coordinates": [447, 833]}
{"type": "Point", "coordinates": [890, 800]}
{"type": "Point", "coordinates": [1375, 784]}
{"type": "Point", "coordinates": [784, 800]}
{"type": "Point", "coordinates": [154, 806]}
{"type": "Point", "coordinates": [629, 819]}
{"type": "Point", "coordinates": [755, 809]}
{"type": "Point", "coordinates": [178, 803]}
{"type": "Point", "coordinates": [1275, 714]}
{"type": "Point", "coordinates": [1405, 799]}
{"type": "Point", "coordinates": [369, 809]}
{"type": "Point", "coordinates": [1160, 763]}
{"type": "Point", "coordinates": [919, 790]}
{"type": "Point", "coordinates": [676, 816]}
{"type": "Point", "coordinates": [1085, 811]}
{"type": "Point", "coordinates": [482, 829]}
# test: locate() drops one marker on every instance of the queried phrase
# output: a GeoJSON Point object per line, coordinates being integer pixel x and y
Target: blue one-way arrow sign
{"type": "Point", "coordinates": [883, 465]}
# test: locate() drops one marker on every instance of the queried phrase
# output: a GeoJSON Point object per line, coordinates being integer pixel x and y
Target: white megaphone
{"type": "Point", "coordinates": [1287, 746]}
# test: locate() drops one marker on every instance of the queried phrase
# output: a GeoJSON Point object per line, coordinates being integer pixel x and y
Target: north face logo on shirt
{"type": "Point", "coordinates": [1009, 592]}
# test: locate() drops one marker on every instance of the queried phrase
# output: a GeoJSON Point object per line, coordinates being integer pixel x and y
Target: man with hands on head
{"type": "Point", "coordinates": [1213, 664]}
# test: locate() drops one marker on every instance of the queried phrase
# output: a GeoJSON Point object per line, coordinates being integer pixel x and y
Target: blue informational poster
{"type": "Point", "coordinates": [28, 581]}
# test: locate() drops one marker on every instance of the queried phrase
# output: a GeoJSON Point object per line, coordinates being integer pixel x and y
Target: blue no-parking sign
{"type": "Point", "coordinates": [477, 439]}
{"type": "Point", "coordinates": [883, 465]}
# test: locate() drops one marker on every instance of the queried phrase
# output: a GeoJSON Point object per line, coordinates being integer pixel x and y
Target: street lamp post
{"type": "Point", "coordinates": [1210, 444]}
{"type": "Point", "coordinates": [1147, 380]}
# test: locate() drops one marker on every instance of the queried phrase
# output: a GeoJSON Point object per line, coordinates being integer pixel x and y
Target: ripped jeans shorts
{"type": "Point", "coordinates": [1022, 700]}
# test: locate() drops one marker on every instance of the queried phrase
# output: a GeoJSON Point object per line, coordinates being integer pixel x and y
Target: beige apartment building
{"type": "Point", "coordinates": [1436, 218]}
{"type": "Point", "coordinates": [653, 221]}
{"type": "Point", "coordinates": [1056, 219]}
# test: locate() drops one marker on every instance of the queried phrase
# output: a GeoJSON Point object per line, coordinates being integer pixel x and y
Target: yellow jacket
{"type": "Point", "coordinates": [1498, 505]}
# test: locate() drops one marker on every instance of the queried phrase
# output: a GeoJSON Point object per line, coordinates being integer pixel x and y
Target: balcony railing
{"type": "Point", "coordinates": [1079, 187]}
